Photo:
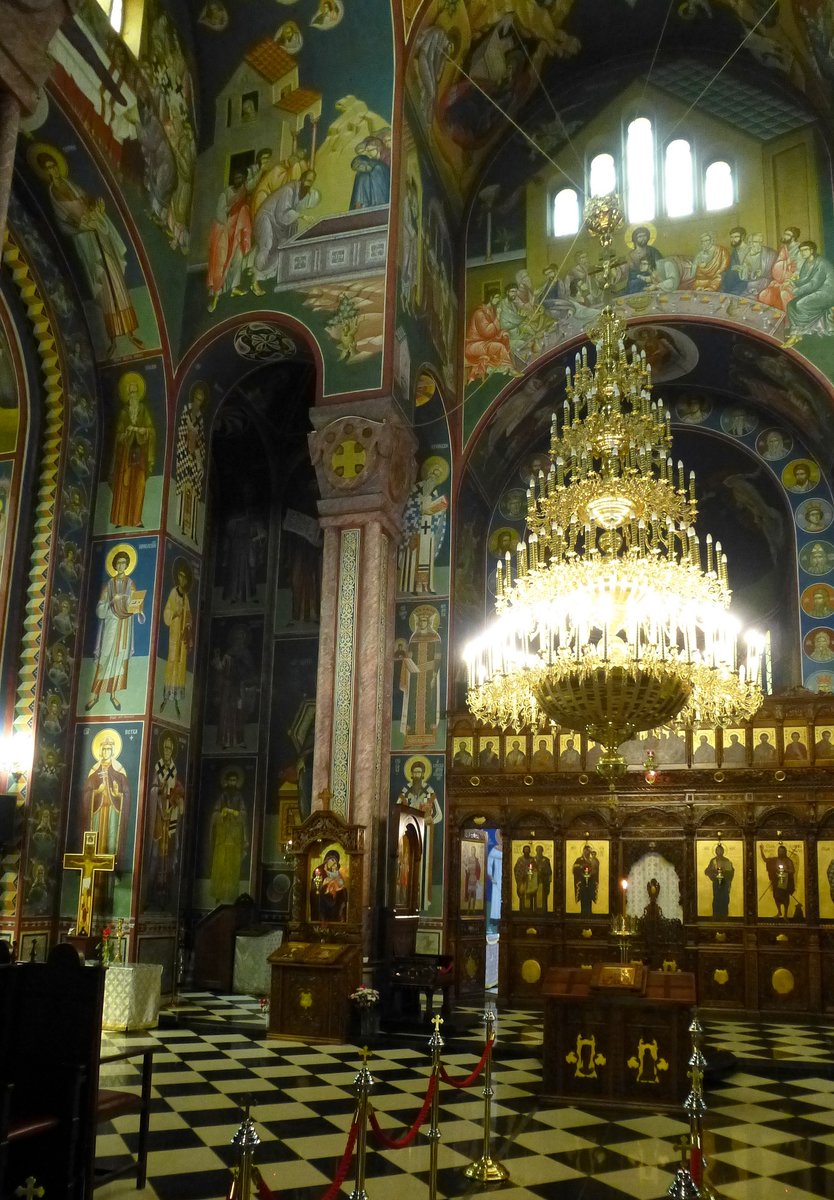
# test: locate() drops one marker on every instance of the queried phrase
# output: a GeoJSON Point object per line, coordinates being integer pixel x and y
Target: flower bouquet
{"type": "Point", "coordinates": [365, 997]}
{"type": "Point", "coordinates": [107, 946]}
{"type": "Point", "coordinates": [366, 1000]}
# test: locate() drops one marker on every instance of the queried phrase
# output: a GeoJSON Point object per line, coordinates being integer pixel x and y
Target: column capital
{"type": "Point", "coordinates": [363, 454]}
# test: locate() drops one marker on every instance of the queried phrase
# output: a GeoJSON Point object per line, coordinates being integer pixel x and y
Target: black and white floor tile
{"type": "Point", "coordinates": [769, 1129]}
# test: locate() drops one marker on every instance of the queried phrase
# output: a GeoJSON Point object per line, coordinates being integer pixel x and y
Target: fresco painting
{"type": "Point", "coordinates": [427, 308]}
{"type": "Point", "coordinates": [186, 499]}
{"type": "Point", "coordinates": [758, 260]}
{"type": "Point", "coordinates": [114, 670]}
{"type": "Point", "coordinates": [224, 830]}
{"type": "Point", "coordinates": [234, 688]}
{"type": "Point", "coordinates": [129, 495]}
{"type": "Point", "coordinates": [294, 180]}
{"type": "Point", "coordinates": [117, 303]}
{"type": "Point", "coordinates": [420, 648]}
{"type": "Point", "coordinates": [165, 821]}
{"type": "Point", "coordinates": [104, 798]}
{"type": "Point", "coordinates": [298, 587]}
{"type": "Point", "coordinates": [417, 784]}
{"type": "Point", "coordinates": [291, 739]}
{"type": "Point", "coordinates": [177, 638]}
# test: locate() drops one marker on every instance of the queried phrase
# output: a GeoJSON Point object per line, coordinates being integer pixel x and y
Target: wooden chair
{"type": "Point", "coordinates": [49, 1076]}
{"type": "Point", "coordinates": [113, 1103]}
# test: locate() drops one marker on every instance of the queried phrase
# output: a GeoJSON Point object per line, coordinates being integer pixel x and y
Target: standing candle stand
{"type": "Point", "coordinates": [486, 1169]}
{"type": "Point", "coordinates": [624, 927]}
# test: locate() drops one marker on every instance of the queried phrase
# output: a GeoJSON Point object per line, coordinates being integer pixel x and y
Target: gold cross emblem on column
{"type": "Point", "coordinates": [88, 862]}
{"type": "Point", "coordinates": [348, 459]}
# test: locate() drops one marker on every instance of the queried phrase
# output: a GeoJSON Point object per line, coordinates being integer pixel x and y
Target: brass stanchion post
{"type": "Point", "coordinates": [362, 1085]}
{"type": "Point", "coordinates": [435, 1045]}
{"type": "Point", "coordinates": [695, 1106]}
{"type": "Point", "coordinates": [246, 1139]}
{"type": "Point", "coordinates": [486, 1169]}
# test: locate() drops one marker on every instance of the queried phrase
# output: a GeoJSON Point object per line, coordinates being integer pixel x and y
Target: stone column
{"type": "Point", "coordinates": [363, 454]}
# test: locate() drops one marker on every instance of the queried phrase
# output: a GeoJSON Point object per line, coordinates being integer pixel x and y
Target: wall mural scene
{"type": "Point", "coordinates": [427, 306]}
{"type": "Point", "coordinates": [741, 240]}
{"type": "Point", "coordinates": [134, 98]}
{"type": "Point", "coordinates": [294, 177]}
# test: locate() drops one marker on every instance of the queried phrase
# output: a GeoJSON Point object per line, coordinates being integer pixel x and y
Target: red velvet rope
{"type": "Point", "coordinates": [468, 1080]}
{"type": "Point", "coordinates": [261, 1189]}
{"type": "Point", "coordinates": [344, 1165]}
{"type": "Point", "coordinates": [408, 1138]}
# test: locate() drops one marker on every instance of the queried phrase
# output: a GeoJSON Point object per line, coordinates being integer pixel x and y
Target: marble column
{"type": "Point", "coordinates": [363, 454]}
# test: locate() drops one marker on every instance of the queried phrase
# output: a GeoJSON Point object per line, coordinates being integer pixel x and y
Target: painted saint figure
{"type": "Point", "coordinates": [418, 794]}
{"type": "Point", "coordinates": [720, 871]}
{"type": "Point", "coordinates": [230, 240]}
{"type": "Point", "coordinates": [585, 872]}
{"type": "Point", "coordinates": [372, 185]}
{"type": "Point", "coordinates": [100, 248]}
{"type": "Point", "coordinates": [229, 836]}
{"type": "Point", "coordinates": [236, 679]}
{"type": "Point", "coordinates": [167, 799]}
{"type": "Point", "coordinates": [329, 890]}
{"type": "Point", "coordinates": [424, 528]}
{"type": "Point", "coordinates": [190, 461]}
{"type": "Point", "coordinates": [106, 795]}
{"type": "Point", "coordinates": [118, 604]}
{"type": "Point", "coordinates": [179, 622]}
{"type": "Point", "coordinates": [134, 452]}
{"type": "Point", "coordinates": [419, 679]}
{"type": "Point", "coordinates": [526, 879]}
{"type": "Point", "coordinates": [781, 873]}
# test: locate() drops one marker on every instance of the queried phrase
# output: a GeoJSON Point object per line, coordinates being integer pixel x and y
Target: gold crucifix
{"type": "Point", "coordinates": [88, 862]}
{"type": "Point", "coordinates": [29, 1189]}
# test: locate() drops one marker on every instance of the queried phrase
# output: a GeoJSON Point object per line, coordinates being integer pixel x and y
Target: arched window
{"type": "Point", "coordinates": [603, 175]}
{"type": "Point", "coordinates": [125, 17]}
{"type": "Point", "coordinates": [719, 190]}
{"type": "Point", "coordinates": [680, 193]}
{"type": "Point", "coordinates": [115, 13]}
{"type": "Point", "coordinates": [565, 212]}
{"type": "Point", "coordinates": [640, 193]}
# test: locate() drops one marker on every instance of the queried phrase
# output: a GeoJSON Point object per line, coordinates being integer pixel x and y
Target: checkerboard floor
{"type": "Point", "coordinates": [769, 1131]}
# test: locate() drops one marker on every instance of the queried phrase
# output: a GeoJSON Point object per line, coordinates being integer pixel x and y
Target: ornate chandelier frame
{"type": "Point", "coordinates": [611, 617]}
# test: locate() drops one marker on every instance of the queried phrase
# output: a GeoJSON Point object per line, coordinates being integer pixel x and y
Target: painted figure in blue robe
{"type": "Point", "coordinates": [735, 278]}
{"type": "Point", "coordinates": [372, 185]}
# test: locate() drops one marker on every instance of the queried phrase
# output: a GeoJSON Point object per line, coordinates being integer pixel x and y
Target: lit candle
{"type": "Point", "coordinates": [624, 886]}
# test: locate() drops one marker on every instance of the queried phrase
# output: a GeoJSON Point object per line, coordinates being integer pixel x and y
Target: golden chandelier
{"type": "Point", "coordinates": [611, 617]}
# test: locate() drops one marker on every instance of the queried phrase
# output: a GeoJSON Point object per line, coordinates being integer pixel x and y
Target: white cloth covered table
{"type": "Point", "coordinates": [252, 970]}
{"type": "Point", "coordinates": [131, 996]}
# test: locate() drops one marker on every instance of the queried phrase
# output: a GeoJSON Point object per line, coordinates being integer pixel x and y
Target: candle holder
{"type": "Point", "coordinates": [623, 929]}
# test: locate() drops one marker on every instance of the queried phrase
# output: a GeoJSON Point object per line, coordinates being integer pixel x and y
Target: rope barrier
{"type": "Point", "coordinates": [261, 1190]}
{"type": "Point", "coordinates": [344, 1165]}
{"type": "Point", "coordinates": [466, 1081]}
{"type": "Point", "coordinates": [408, 1138]}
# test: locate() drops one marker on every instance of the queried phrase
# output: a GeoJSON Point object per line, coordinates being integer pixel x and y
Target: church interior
{"type": "Point", "coordinates": [333, 334]}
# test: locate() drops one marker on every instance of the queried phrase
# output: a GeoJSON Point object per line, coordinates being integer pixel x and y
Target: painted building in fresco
{"type": "Point", "coordinates": [286, 300]}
